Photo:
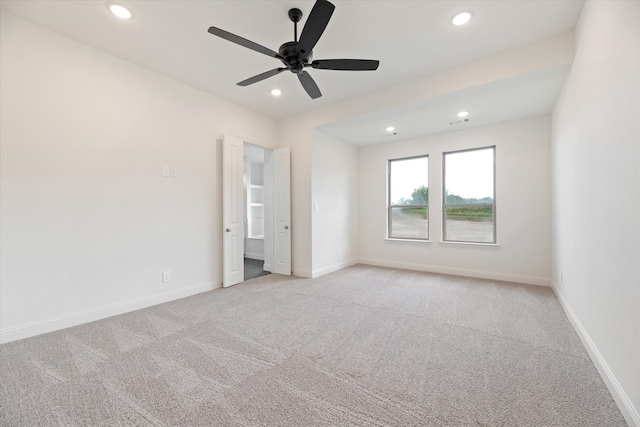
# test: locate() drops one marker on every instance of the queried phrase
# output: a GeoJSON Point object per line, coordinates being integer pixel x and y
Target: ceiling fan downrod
{"type": "Point", "coordinates": [295, 15]}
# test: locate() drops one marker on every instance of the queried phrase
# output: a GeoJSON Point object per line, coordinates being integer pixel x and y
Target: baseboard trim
{"type": "Point", "coordinates": [529, 280]}
{"type": "Point", "coordinates": [627, 408]}
{"type": "Point", "coordinates": [74, 319]}
{"type": "Point", "coordinates": [332, 268]}
{"type": "Point", "coordinates": [259, 257]}
{"type": "Point", "coordinates": [302, 273]}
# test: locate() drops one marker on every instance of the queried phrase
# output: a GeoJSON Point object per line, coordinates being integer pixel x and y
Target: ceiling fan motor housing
{"type": "Point", "coordinates": [293, 59]}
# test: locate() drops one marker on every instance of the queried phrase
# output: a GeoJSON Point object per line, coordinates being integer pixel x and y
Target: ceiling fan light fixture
{"type": "Point", "coordinates": [390, 129]}
{"type": "Point", "coordinates": [120, 11]}
{"type": "Point", "coordinates": [276, 92]}
{"type": "Point", "coordinates": [462, 114]}
{"type": "Point", "coordinates": [461, 18]}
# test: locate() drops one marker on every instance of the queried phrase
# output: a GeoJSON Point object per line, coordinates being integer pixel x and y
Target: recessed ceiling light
{"type": "Point", "coordinates": [120, 11]}
{"type": "Point", "coordinates": [463, 114]}
{"type": "Point", "coordinates": [390, 129]}
{"type": "Point", "coordinates": [461, 18]}
{"type": "Point", "coordinates": [276, 92]}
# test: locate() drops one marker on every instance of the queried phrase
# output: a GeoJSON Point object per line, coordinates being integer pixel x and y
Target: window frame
{"type": "Point", "coordinates": [446, 205]}
{"type": "Point", "coordinates": [391, 206]}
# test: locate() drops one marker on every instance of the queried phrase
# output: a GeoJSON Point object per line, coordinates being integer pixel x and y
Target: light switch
{"type": "Point", "coordinates": [166, 171]}
{"type": "Point", "coordinates": [315, 206]}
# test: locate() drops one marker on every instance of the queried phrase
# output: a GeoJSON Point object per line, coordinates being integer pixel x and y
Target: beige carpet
{"type": "Point", "coordinates": [364, 346]}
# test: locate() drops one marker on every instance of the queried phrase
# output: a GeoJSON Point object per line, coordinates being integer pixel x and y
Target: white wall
{"type": "Point", "coordinates": [596, 198]}
{"type": "Point", "coordinates": [334, 184]}
{"type": "Point", "coordinates": [88, 222]}
{"type": "Point", "coordinates": [523, 204]}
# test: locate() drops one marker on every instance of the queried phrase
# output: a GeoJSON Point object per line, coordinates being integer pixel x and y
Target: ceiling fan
{"type": "Point", "coordinates": [297, 55]}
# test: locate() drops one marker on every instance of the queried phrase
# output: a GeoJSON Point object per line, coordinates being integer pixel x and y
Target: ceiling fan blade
{"type": "Point", "coordinates": [243, 42]}
{"type": "Point", "coordinates": [346, 64]}
{"type": "Point", "coordinates": [260, 77]}
{"type": "Point", "coordinates": [315, 25]}
{"type": "Point", "coordinates": [309, 85]}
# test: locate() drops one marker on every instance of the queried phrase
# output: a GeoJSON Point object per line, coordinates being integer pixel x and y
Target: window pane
{"type": "Point", "coordinates": [409, 223]}
{"type": "Point", "coordinates": [409, 181]}
{"type": "Point", "coordinates": [408, 197]}
{"type": "Point", "coordinates": [469, 205]}
{"type": "Point", "coordinates": [469, 224]}
{"type": "Point", "coordinates": [469, 176]}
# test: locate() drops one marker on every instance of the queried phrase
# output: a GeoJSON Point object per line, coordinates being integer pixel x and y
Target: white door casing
{"type": "Point", "coordinates": [233, 212]}
{"type": "Point", "coordinates": [282, 210]}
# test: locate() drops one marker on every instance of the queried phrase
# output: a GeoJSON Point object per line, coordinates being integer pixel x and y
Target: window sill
{"type": "Point", "coordinates": [391, 239]}
{"type": "Point", "coordinates": [491, 245]}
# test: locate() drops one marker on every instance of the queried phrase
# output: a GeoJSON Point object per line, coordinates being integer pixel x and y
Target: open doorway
{"type": "Point", "coordinates": [257, 190]}
{"type": "Point", "coordinates": [276, 210]}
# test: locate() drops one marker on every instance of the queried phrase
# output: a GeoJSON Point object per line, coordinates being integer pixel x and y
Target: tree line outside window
{"type": "Point", "coordinates": [468, 206]}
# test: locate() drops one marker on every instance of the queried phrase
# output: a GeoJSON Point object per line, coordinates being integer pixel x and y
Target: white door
{"type": "Point", "coordinates": [233, 211]}
{"type": "Point", "coordinates": [282, 211]}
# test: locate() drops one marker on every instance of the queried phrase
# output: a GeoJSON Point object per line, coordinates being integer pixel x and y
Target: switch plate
{"type": "Point", "coordinates": [166, 171]}
{"type": "Point", "coordinates": [166, 276]}
{"type": "Point", "coordinates": [174, 173]}
{"type": "Point", "coordinates": [315, 206]}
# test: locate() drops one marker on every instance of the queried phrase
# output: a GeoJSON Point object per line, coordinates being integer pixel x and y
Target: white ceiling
{"type": "Point", "coordinates": [410, 38]}
{"type": "Point", "coordinates": [530, 95]}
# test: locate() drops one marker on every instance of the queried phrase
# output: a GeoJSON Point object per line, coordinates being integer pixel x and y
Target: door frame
{"type": "Point", "coordinates": [282, 225]}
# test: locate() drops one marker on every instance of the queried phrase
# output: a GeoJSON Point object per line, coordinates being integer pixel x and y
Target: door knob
{"type": "Point", "coordinates": [286, 227]}
{"type": "Point", "coordinates": [228, 230]}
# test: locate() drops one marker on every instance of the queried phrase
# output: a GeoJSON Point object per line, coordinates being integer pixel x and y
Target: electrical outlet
{"type": "Point", "coordinates": [561, 277]}
{"type": "Point", "coordinates": [166, 276]}
{"type": "Point", "coordinates": [339, 253]}
{"type": "Point", "coordinates": [166, 171]}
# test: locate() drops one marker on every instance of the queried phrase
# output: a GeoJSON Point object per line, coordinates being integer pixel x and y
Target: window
{"type": "Point", "coordinates": [469, 196]}
{"type": "Point", "coordinates": [408, 208]}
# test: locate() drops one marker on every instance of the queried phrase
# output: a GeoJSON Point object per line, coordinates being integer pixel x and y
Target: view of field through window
{"type": "Point", "coordinates": [409, 198]}
{"type": "Point", "coordinates": [469, 207]}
